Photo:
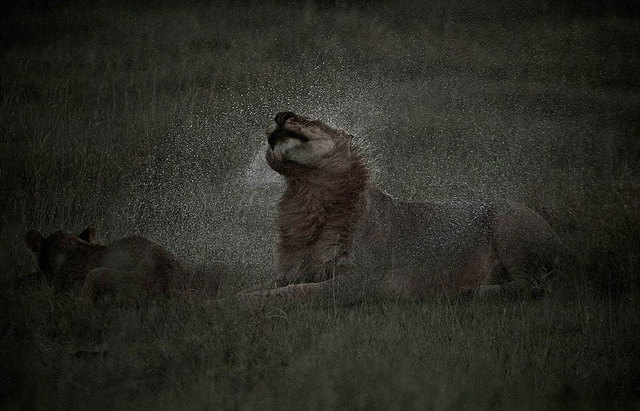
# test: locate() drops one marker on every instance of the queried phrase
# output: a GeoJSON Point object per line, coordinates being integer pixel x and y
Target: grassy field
{"type": "Point", "coordinates": [150, 120]}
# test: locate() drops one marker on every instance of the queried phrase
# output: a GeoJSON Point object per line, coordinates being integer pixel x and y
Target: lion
{"type": "Point", "coordinates": [128, 267]}
{"type": "Point", "coordinates": [342, 240]}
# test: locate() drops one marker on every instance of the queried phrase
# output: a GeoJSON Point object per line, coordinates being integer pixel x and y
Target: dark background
{"type": "Point", "coordinates": [150, 119]}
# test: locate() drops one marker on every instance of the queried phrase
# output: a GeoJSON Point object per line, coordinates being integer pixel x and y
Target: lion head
{"type": "Point", "coordinates": [52, 252]}
{"type": "Point", "coordinates": [326, 182]}
{"type": "Point", "coordinates": [298, 143]}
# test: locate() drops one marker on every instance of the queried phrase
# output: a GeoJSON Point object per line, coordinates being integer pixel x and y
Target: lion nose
{"type": "Point", "coordinates": [281, 117]}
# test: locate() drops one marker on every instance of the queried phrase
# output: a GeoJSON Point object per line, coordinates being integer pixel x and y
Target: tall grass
{"type": "Point", "coordinates": [575, 352]}
{"type": "Point", "coordinates": [150, 120]}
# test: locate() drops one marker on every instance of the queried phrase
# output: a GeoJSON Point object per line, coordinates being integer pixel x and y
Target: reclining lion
{"type": "Point", "coordinates": [128, 267]}
{"type": "Point", "coordinates": [341, 240]}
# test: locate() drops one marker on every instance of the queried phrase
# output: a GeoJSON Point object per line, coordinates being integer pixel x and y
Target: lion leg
{"type": "Point", "coordinates": [497, 276]}
{"type": "Point", "coordinates": [512, 283]}
{"type": "Point", "coordinates": [347, 287]}
{"type": "Point", "coordinates": [528, 248]}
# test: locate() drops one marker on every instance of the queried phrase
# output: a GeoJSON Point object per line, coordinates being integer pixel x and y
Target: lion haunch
{"type": "Point", "coordinates": [341, 236]}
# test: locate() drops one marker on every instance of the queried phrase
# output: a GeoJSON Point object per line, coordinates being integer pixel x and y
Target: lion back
{"type": "Point", "coordinates": [148, 263]}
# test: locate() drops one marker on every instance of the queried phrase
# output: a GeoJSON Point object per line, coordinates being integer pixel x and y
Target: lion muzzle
{"type": "Point", "coordinates": [282, 117]}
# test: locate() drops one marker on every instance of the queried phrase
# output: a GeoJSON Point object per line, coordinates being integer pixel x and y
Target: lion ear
{"type": "Point", "coordinates": [88, 235]}
{"type": "Point", "coordinates": [33, 239]}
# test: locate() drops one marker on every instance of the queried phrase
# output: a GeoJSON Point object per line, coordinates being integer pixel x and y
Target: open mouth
{"type": "Point", "coordinates": [280, 134]}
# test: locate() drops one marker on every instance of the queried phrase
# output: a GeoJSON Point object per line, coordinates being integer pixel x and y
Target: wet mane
{"type": "Point", "coordinates": [319, 211]}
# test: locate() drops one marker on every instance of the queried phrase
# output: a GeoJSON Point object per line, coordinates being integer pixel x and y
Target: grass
{"type": "Point", "coordinates": [576, 353]}
{"type": "Point", "coordinates": [151, 119]}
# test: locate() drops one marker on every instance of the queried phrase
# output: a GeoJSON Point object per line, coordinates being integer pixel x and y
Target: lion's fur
{"type": "Point", "coordinates": [130, 266]}
{"type": "Point", "coordinates": [318, 216]}
{"type": "Point", "coordinates": [331, 216]}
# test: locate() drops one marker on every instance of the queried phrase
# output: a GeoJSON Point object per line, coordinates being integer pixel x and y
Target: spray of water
{"type": "Point", "coordinates": [208, 195]}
